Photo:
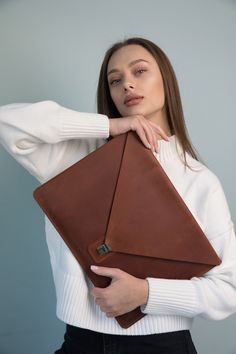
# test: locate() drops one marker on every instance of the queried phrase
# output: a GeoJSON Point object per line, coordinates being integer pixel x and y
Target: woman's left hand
{"type": "Point", "coordinates": [124, 294]}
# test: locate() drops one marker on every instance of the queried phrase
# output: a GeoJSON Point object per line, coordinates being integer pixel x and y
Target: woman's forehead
{"type": "Point", "coordinates": [128, 54]}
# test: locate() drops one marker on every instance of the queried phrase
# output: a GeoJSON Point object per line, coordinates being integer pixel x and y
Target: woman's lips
{"type": "Point", "coordinates": [134, 101]}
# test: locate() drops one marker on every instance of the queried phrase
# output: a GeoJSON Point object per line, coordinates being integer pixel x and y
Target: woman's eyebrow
{"type": "Point", "coordinates": [130, 64]}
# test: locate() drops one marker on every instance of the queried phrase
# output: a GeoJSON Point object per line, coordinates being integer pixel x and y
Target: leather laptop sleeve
{"type": "Point", "coordinates": [116, 207]}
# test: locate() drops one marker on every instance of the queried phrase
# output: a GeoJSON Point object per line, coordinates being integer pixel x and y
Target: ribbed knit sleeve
{"type": "Point", "coordinates": [49, 122]}
{"type": "Point", "coordinates": [35, 134]}
{"type": "Point", "coordinates": [212, 296]}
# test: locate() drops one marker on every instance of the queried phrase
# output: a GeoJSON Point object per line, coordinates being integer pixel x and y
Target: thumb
{"type": "Point", "coordinates": [105, 271]}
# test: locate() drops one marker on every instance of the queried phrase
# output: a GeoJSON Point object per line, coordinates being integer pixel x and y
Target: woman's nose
{"type": "Point", "coordinates": [128, 85]}
{"type": "Point", "coordinates": [128, 81]}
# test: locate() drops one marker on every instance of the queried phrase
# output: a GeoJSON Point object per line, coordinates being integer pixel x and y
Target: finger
{"type": "Point", "coordinates": [149, 132]}
{"type": "Point", "coordinates": [138, 127]}
{"type": "Point", "coordinates": [143, 137]}
{"type": "Point", "coordinates": [105, 271]}
{"type": "Point", "coordinates": [97, 293]}
{"type": "Point", "coordinates": [151, 135]}
{"type": "Point", "coordinates": [160, 130]}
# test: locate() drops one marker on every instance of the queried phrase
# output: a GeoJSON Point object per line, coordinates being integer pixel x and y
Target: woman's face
{"type": "Point", "coordinates": [136, 72]}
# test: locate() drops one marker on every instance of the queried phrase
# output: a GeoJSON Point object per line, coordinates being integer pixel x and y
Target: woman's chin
{"type": "Point", "coordinates": [132, 111]}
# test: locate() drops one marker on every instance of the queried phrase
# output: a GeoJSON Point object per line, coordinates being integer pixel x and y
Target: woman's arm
{"type": "Point", "coordinates": [212, 296]}
{"type": "Point", "coordinates": [37, 134]}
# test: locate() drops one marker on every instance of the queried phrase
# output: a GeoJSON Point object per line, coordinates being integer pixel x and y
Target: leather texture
{"type": "Point", "coordinates": [116, 207]}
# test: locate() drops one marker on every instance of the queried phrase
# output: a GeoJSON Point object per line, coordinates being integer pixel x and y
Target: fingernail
{"type": "Point", "coordinates": [93, 267]}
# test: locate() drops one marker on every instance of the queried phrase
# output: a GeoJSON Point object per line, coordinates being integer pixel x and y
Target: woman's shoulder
{"type": "Point", "coordinates": [205, 175]}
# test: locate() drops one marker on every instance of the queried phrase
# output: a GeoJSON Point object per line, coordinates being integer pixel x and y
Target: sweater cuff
{"type": "Point", "coordinates": [84, 125]}
{"type": "Point", "coordinates": [171, 297]}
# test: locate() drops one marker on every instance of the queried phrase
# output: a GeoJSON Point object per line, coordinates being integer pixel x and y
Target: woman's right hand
{"type": "Point", "coordinates": [146, 130]}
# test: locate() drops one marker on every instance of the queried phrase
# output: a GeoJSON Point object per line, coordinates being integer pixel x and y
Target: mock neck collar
{"type": "Point", "coordinates": [168, 150]}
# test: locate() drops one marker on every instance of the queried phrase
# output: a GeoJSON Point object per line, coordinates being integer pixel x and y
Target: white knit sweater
{"type": "Point", "coordinates": [46, 138]}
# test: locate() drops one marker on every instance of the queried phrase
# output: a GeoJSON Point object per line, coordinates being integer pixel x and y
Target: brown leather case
{"type": "Point", "coordinates": [116, 207]}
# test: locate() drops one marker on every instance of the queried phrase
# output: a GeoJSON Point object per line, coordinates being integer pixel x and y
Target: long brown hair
{"type": "Point", "coordinates": [173, 104]}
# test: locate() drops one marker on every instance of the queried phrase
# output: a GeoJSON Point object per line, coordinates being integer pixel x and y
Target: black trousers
{"type": "Point", "coordinates": [84, 341]}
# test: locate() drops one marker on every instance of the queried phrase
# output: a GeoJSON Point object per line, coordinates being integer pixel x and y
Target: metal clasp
{"type": "Point", "coordinates": [103, 249]}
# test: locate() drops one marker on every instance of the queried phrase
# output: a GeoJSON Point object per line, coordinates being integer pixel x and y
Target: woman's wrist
{"type": "Point", "coordinates": [144, 292]}
{"type": "Point", "coordinates": [112, 122]}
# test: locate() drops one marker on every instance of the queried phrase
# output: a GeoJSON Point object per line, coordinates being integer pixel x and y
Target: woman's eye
{"type": "Point", "coordinates": [113, 81]}
{"type": "Point", "coordinates": [117, 80]}
{"type": "Point", "coordinates": [139, 70]}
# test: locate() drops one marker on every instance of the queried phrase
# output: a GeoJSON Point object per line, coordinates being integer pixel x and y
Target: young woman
{"type": "Point", "coordinates": [137, 91]}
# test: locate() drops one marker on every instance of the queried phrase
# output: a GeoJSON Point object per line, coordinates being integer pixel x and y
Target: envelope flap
{"type": "Point", "coordinates": [148, 216]}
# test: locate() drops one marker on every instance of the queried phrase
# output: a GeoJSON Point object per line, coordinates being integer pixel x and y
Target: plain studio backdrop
{"type": "Point", "coordinates": [53, 49]}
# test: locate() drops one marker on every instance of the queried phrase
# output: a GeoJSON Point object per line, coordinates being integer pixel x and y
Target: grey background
{"type": "Point", "coordinates": [53, 49]}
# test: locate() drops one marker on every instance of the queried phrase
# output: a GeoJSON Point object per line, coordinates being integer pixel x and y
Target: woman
{"type": "Point", "coordinates": [138, 91]}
